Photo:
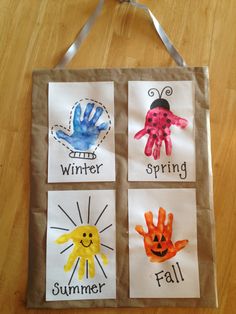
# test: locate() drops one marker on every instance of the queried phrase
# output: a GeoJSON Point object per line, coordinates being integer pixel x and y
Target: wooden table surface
{"type": "Point", "coordinates": [36, 33]}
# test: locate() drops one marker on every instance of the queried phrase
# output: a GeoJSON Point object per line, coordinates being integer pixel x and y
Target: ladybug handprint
{"type": "Point", "coordinates": [83, 133]}
{"type": "Point", "coordinates": [157, 241]}
{"type": "Point", "coordinates": [158, 121]}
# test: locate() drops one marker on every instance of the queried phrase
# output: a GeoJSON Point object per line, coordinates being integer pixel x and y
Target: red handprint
{"type": "Point", "coordinates": [157, 241]}
{"type": "Point", "coordinates": [158, 121]}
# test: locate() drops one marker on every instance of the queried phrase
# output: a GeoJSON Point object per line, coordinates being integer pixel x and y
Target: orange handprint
{"type": "Point", "coordinates": [157, 241]}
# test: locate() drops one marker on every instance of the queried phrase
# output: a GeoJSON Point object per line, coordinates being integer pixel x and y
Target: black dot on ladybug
{"type": "Point", "coordinates": [148, 130]}
{"type": "Point", "coordinates": [165, 134]}
{"type": "Point", "coordinates": [165, 114]}
{"type": "Point", "coordinates": [149, 119]}
{"type": "Point", "coordinates": [84, 234]}
{"type": "Point", "coordinates": [154, 124]}
{"type": "Point", "coordinates": [90, 235]}
{"type": "Point", "coordinates": [155, 114]}
{"type": "Point", "coordinates": [168, 121]}
{"type": "Point", "coordinates": [164, 126]}
{"type": "Point", "coordinates": [154, 136]}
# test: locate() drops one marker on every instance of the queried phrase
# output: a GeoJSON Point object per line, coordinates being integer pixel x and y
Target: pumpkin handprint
{"type": "Point", "coordinates": [157, 241]}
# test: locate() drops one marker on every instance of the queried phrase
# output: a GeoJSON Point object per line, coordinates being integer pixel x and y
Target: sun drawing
{"type": "Point", "coordinates": [86, 244]}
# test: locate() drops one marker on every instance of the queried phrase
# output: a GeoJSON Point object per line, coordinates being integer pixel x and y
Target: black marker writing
{"type": "Point", "coordinates": [173, 275]}
{"type": "Point", "coordinates": [73, 169]}
{"type": "Point", "coordinates": [69, 290]}
{"type": "Point", "coordinates": [181, 169]}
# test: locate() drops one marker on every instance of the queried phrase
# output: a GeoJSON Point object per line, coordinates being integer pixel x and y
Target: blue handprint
{"type": "Point", "coordinates": [85, 132]}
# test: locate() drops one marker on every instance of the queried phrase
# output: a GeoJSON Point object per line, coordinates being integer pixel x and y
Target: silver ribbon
{"type": "Point", "coordinates": [70, 53]}
{"type": "Point", "coordinates": [162, 34]}
{"type": "Point", "coordinates": [72, 50]}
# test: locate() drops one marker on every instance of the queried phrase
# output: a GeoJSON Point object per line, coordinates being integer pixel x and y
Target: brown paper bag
{"type": "Point", "coordinates": [202, 184]}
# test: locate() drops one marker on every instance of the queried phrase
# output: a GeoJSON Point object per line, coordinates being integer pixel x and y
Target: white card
{"type": "Point", "coordinates": [163, 259]}
{"type": "Point", "coordinates": [81, 258]}
{"type": "Point", "coordinates": [161, 131]}
{"type": "Point", "coordinates": [81, 132]}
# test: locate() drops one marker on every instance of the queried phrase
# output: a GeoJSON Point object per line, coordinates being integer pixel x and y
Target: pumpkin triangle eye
{"type": "Point", "coordinates": [155, 238]}
{"type": "Point", "coordinates": [163, 238]}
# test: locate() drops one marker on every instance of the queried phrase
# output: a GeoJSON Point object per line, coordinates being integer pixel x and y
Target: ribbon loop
{"type": "Point", "coordinates": [70, 53]}
{"type": "Point", "coordinates": [72, 50]}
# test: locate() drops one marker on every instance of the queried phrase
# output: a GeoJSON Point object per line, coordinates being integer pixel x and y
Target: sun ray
{"type": "Point", "coordinates": [100, 266]}
{"type": "Point", "coordinates": [67, 248]}
{"type": "Point", "coordinates": [108, 247]}
{"type": "Point", "coordinates": [101, 215]}
{"type": "Point", "coordinates": [80, 216]}
{"type": "Point", "coordinates": [59, 228]}
{"type": "Point", "coordinates": [67, 215]}
{"type": "Point", "coordinates": [105, 228]}
{"type": "Point", "coordinates": [89, 209]}
{"type": "Point", "coordinates": [74, 271]}
{"type": "Point", "coordinates": [87, 269]}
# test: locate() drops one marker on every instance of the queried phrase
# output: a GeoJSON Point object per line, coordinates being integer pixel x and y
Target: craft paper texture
{"type": "Point", "coordinates": [68, 210]}
{"type": "Point", "coordinates": [81, 132]}
{"type": "Point", "coordinates": [180, 165]}
{"type": "Point", "coordinates": [178, 276]}
{"type": "Point", "coordinates": [40, 187]}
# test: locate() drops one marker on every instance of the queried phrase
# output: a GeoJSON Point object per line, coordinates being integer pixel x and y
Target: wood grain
{"type": "Point", "coordinates": [35, 34]}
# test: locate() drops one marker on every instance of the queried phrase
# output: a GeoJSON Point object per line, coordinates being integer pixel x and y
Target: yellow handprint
{"type": "Point", "coordinates": [86, 245]}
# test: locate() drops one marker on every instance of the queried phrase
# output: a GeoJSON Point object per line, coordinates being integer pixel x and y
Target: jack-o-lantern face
{"type": "Point", "coordinates": [157, 241]}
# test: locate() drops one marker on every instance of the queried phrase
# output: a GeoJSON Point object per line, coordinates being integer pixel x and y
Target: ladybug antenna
{"type": "Point", "coordinates": [160, 102]}
{"type": "Point", "coordinates": [151, 92]}
{"type": "Point", "coordinates": [168, 91]}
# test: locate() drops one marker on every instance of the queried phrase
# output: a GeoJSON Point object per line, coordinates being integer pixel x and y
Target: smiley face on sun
{"type": "Point", "coordinates": [86, 242]}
